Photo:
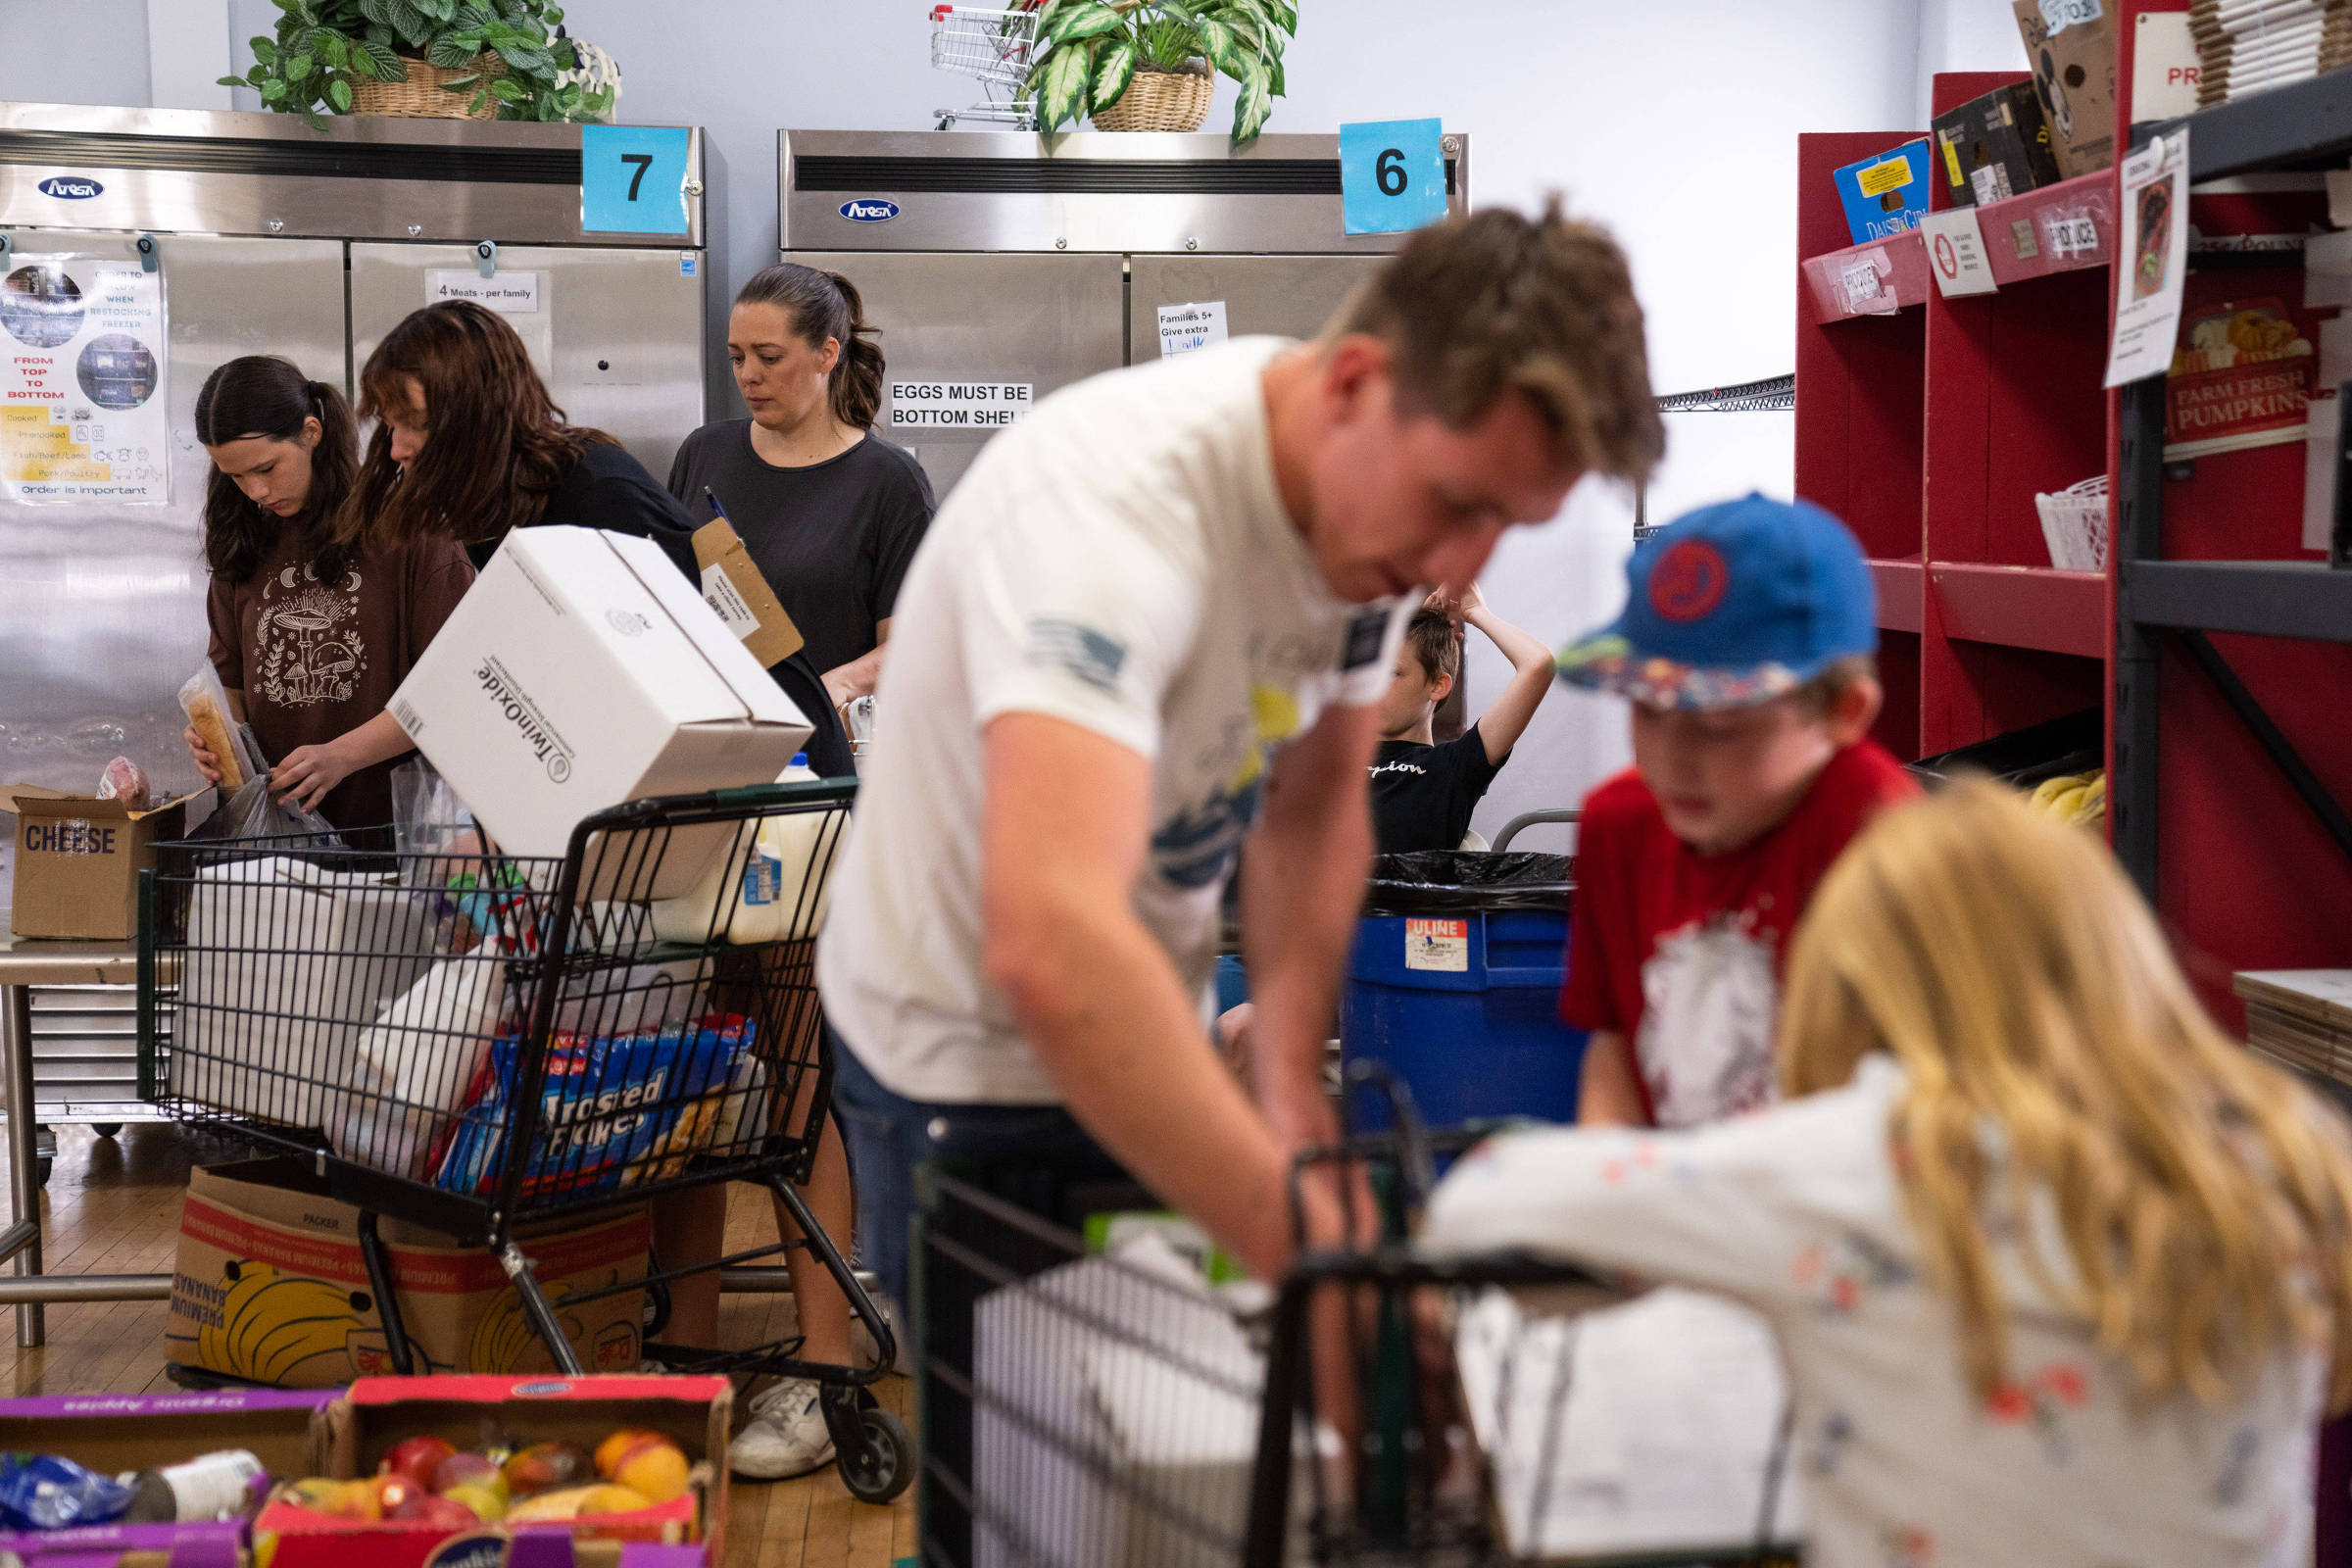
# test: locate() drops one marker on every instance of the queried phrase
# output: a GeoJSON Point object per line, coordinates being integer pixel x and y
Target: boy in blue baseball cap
{"type": "Point", "coordinates": [1747, 649]}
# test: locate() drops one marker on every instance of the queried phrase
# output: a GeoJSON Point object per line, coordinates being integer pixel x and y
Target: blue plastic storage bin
{"type": "Point", "coordinates": [1466, 1010]}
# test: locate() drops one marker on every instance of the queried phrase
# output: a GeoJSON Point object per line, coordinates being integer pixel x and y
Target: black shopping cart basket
{"type": "Point", "coordinates": [490, 1045]}
{"type": "Point", "coordinates": [1092, 1403]}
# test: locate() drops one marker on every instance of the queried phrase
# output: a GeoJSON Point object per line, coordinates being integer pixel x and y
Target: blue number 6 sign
{"type": "Point", "coordinates": [633, 179]}
{"type": "Point", "coordinates": [1392, 175]}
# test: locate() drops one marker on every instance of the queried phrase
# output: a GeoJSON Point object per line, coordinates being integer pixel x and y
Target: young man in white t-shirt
{"type": "Point", "coordinates": [1155, 619]}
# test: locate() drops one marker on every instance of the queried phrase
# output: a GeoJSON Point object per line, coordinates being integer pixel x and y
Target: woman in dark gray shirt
{"type": "Point", "coordinates": [830, 512]}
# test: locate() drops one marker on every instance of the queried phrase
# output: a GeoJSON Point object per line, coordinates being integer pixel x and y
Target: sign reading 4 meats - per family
{"type": "Point", "coordinates": [83, 349]}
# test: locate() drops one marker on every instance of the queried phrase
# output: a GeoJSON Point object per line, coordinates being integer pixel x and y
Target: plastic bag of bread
{"type": "Point", "coordinates": [205, 703]}
{"type": "Point", "coordinates": [126, 781]}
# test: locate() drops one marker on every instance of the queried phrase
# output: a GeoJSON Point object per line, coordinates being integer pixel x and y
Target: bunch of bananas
{"type": "Point", "coordinates": [2073, 797]}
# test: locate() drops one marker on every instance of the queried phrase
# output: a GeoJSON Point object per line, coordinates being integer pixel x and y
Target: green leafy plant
{"type": "Point", "coordinates": [324, 48]}
{"type": "Point", "coordinates": [1088, 52]}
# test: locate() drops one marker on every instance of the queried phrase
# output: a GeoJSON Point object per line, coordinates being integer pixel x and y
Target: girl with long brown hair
{"type": "Point", "coordinates": [312, 633]}
{"type": "Point", "coordinates": [2062, 1274]}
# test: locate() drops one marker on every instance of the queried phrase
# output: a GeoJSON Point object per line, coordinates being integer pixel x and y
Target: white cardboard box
{"type": "Point", "coordinates": [582, 671]}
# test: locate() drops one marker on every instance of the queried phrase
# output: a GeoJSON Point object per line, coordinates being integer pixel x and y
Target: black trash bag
{"type": "Point", "coordinates": [1466, 881]}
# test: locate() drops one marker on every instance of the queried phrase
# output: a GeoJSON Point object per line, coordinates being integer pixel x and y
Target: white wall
{"type": "Point", "coordinates": [89, 52]}
{"type": "Point", "coordinates": [1678, 131]}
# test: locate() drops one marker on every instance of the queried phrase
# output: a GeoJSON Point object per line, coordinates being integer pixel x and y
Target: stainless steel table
{"type": "Point", "coordinates": [26, 962]}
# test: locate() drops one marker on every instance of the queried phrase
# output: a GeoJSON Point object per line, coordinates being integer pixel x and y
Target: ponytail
{"type": "Point", "coordinates": [826, 305]}
{"type": "Point", "coordinates": [855, 386]}
{"type": "Point", "coordinates": [264, 397]}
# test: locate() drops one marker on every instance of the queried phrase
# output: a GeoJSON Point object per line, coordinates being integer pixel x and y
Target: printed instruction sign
{"type": "Point", "coordinates": [1186, 328]}
{"type": "Point", "coordinates": [1442, 944]}
{"type": "Point", "coordinates": [957, 405]}
{"type": "Point", "coordinates": [2154, 245]}
{"type": "Point", "coordinates": [525, 299]}
{"type": "Point", "coordinates": [1392, 175]}
{"type": "Point", "coordinates": [84, 354]}
{"type": "Point", "coordinates": [633, 179]}
{"type": "Point", "coordinates": [1956, 253]}
{"type": "Point", "coordinates": [507, 293]}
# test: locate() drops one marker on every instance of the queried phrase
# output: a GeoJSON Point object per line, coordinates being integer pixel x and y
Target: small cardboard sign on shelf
{"type": "Point", "coordinates": [2154, 247]}
{"type": "Point", "coordinates": [2241, 377]}
{"type": "Point", "coordinates": [1956, 253]}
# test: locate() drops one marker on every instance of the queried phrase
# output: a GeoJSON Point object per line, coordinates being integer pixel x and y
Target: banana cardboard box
{"type": "Point", "coordinates": [268, 1285]}
{"type": "Point", "coordinates": [378, 1413]}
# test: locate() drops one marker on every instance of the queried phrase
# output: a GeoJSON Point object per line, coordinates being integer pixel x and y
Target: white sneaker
{"type": "Point", "coordinates": [786, 1436]}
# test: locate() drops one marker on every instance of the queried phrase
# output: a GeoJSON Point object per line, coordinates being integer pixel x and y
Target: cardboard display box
{"type": "Point", "coordinates": [1886, 194]}
{"type": "Point", "coordinates": [114, 1433]}
{"type": "Point", "coordinates": [269, 1285]}
{"type": "Point", "coordinates": [740, 596]}
{"type": "Point", "coordinates": [581, 671]}
{"type": "Point", "coordinates": [695, 1412]}
{"type": "Point", "coordinates": [1993, 147]}
{"type": "Point", "coordinates": [2074, 78]}
{"type": "Point", "coordinates": [78, 861]}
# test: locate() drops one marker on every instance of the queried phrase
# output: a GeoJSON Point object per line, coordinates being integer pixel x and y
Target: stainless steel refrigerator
{"type": "Point", "coordinates": [998, 260]}
{"type": "Point", "coordinates": [268, 237]}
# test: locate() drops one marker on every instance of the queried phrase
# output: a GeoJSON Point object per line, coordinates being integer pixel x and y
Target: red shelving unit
{"type": "Point", "coordinates": [1928, 425]}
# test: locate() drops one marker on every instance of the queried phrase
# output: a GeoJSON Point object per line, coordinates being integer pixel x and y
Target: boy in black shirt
{"type": "Point", "coordinates": [1423, 794]}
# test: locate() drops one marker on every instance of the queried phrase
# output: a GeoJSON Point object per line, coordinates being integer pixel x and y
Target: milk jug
{"type": "Point", "coordinates": [769, 888]}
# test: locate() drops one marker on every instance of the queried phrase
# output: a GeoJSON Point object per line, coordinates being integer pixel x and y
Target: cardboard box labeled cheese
{"type": "Point", "coordinates": [1994, 147]}
{"type": "Point", "coordinates": [116, 1433]}
{"type": "Point", "coordinates": [581, 671]}
{"type": "Point", "coordinates": [379, 1412]}
{"type": "Point", "coordinates": [2073, 76]}
{"type": "Point", "coordinates": [269, 1285]}
{"type": "Point", "coordinates": [78, 861]}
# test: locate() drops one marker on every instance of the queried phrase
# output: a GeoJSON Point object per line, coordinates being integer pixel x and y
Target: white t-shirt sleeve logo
{"type": "Point", "coordinates": [1093, 657]}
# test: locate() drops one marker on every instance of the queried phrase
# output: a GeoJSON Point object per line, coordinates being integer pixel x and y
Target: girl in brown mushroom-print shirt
{"type": "Point", "coordinates": [310, 638]}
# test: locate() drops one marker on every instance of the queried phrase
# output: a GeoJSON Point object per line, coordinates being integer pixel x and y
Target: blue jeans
{"type": "Point", "coordinates": [889, 1136]}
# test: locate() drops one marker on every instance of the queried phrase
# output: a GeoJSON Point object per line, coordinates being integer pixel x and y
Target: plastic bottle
{"type": "Point", "coordinates": [215, 1486]}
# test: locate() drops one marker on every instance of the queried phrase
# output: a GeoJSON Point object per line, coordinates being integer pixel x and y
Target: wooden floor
{"type": "Point", "coordinates": [112, 1207]}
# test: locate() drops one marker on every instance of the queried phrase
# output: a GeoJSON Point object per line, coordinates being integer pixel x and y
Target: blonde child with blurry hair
{"type": "Point", "coordinates": [2062, 1275]}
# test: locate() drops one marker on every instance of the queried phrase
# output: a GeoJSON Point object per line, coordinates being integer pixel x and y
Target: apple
{"type": "Point", "coordinates": [415, 1459]}
{"type": "Point", "coordinates": [654, 1470]}
{"type": "Point", "coordinates": [399, 1498]}
{"type": "Point", "coordinates": [546, 1467]}
{"type": "Point", "coordinates": [470, 1470]}
{"type": "Point", "coordinates": [447, 1514]}
{"type": "Point", "coordinates": [488, 1505]}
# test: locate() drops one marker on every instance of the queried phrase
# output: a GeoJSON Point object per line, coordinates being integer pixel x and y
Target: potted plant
{"type": "Point", "coordinates": [454, 59]}
{"type": "Point", "coordinates": [1144, 65]}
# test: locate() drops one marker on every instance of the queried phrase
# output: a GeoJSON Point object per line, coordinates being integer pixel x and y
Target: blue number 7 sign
{"type": "Point", "coordinates": [1392, 175]}
{"type": "Point", "coordinates": [633, 179]}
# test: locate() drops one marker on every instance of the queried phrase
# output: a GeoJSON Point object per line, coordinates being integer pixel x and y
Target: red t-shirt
{"type": "Point", "coordinates": [1680, 953]}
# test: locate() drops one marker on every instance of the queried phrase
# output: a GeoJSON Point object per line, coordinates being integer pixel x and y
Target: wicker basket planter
{"type": "Point", "coordinates": [421, 96]}
{"type": "Point", "coordinates": [1161, 100]}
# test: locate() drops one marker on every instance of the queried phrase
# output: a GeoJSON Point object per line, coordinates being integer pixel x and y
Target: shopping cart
{"type": "Point", "coordinates": [491, 1045]}
{"type": "Point", "coordinates": [1087, 1405]}
{"type": "Point", "coordinates": [993, 47]}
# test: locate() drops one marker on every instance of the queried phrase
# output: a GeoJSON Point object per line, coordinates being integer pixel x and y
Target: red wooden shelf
{"type": "Point", "coordinates": [1899, 262]}
{"type": "Point", "coordinates": [1900, 608]}
{"type": "Point", "coordinates": [2022, 606]}
{"type": "Point", "coordinates": [2034, 218]}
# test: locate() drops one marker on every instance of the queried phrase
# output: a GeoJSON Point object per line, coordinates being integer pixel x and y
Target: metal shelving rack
{"type": "Point", "coordinates": [2306, 126]}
